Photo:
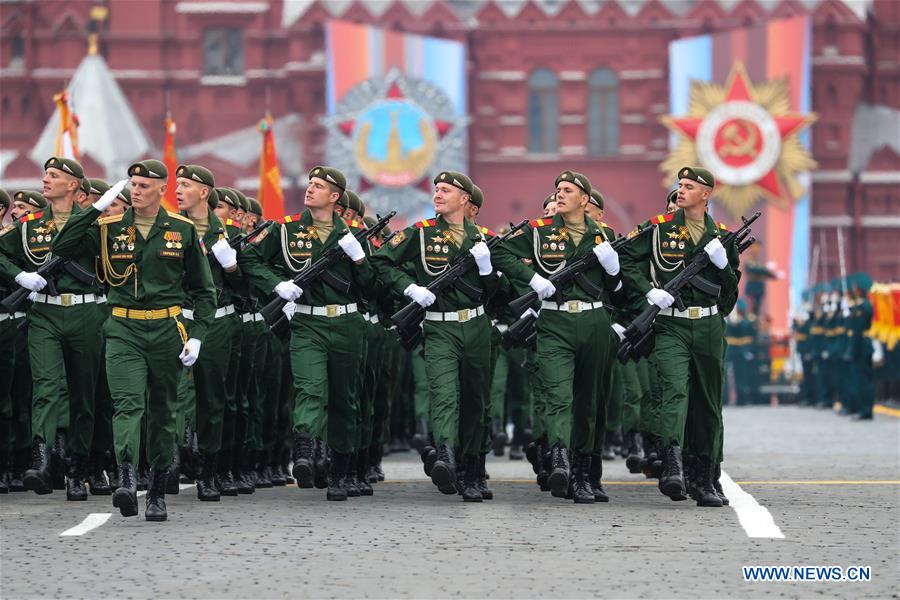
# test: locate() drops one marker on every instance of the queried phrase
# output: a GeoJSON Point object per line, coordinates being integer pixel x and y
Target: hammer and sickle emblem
{"type": "Point", "coordinates": [740, 137]}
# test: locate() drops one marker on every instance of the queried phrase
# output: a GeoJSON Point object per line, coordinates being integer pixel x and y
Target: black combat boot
{"type": "Point", "coordinates": [688, 461]}
{"type": "Point", "coordinates": [656, 468]}
{"type": "Point", "coordinates": [499, 437]}
{"type": "Point", "coordinates": [532, 454]}
{"type": "Point", "coordinates": [173, 473]}
{"type": "Point", "coordinates": [470, 491]}
{"type": "Point", "coordinates": [4, 468]}
{"type": "Point", "coordinates": [21, 459]}
{"type": "Point", "coordinates": [75, 489]}
{"type": "Point", "coordinates": [322, 464]}
{"type": "Point", "coordinates": [703, 483]}
{"type": "Point", "coordinates": [634, 453]}
{"type": "Point", "coordinates": [59, 461]}
{"type": "Point", "coordinates": [143, 476]}
{"type": "Point", "coordinates": [376, 472]}
{"type": "Point", "coordinates": [545, 466]}
{"type": "Point", "coordinates": [716, 484]}
{"type": "Point", "coordinates": [112, 469]}
{"type": "Point", "coordinates": [206, 478]}
{"type": "Point", "coordinates": [443, 473]}
{"type": "Point", "coordinates": [595, 477]}
{"type": "Point", "coordinates": [304, 469]}
{"type": "Point", "coordinates": [420, 437]}
{"type": "Point", "coordinates": [429, 457]}
{"type": "Point", "coordinates": [277, 478]}
{"type": "Point", "coordinates": [650, 455]}
{"type": "Point", "coordinates": [243, 478]}
{"type": "Point", "coordinates": [486, 492]}
{"type": "Point", "coordinates": [559, 470]}
{"type": "Point", "coordinates": [156, 496]}
{"type": "Point", "coordinates": [284, 461]}
{"type": "Point", "coordinates": [671, 481]}
{"type": "Point", "coordinates": [263, 473]}
{"type": "Point", "coordinates": [581, 487]}
{"type": "Point", "coordinates": [38, 478]}
{"type": "Point", "coordinates": [362, 479]}
{"type": "Point", "coordinates": [350, 482]}
{"type": "Point", "coordinates": [224, 477]}
{"type": "Point", "coordinates": [337, 476]}
{"type": "Point", "coordinates": [125, 496]}
{"type": "Point", "coordinates": [96, 478]}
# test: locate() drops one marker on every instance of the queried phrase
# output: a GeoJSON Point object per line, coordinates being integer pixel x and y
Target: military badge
{"type": "Point", "coordinates": [681, 245]}
{"type": "Point", "coordinates": [445, 249]}
{"type": "Point", "coordinates": [553, 245]}
{"type": "Point", "coordinates": [562, 245]}
{"type": "Point", "coordinates": [398, 239]}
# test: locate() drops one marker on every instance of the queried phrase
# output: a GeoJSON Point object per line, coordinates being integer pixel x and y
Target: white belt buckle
{"type": "Point", "coordinates": [574, 306]}
{"type": "Point", "coordinates": [66, 299]}
{"type": "Point", "coordinates": [694, 312]}
{"type": "Point", "coordinates": [463, 315]}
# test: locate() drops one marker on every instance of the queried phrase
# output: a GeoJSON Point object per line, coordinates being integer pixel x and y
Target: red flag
{"type": "Point", "coordinates": [67, 138]}
{"type": "Point", "coordinates": [270, 195]}
{"type": "Point", "coordinates": [171, 161]}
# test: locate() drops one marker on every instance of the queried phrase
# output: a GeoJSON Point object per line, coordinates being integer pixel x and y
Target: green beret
{"type": "Point", "coordinates": [344, 201]}
{"type": "Point", "coordinates": [550, 198]}
{"type": "Point", "coordinates": [213, 199]}
{"type": "Point", "coordinates": [671, 197]}
{"type": "Point", "coordinates": [72, 167]}
{"type": "Point", "coordinates": [255, 207]}
{"type": "Point", "coordinates": [353, 201]}
{"type": "Point", "coordinates": [229, 196]}
{"type": "Point", "coordinates": [196, 173]}
{"type": "Point", "coordinates": [86, 185]}
{"type": "Point", "coordinates": [125, 196]}
{"type": "Point", "coordinates": [578, 179]}
{"type": "Point", "coordinates": [698, 174]}
{"type": "Point", "coordinates": [33, 198]}
{"type": "Point", "coordinates": [862, 281]}
{"type": "Point", "coordinates": [596, 199]}
{"type": "Point", "coordinates": [455, 179]}
{"type": "Point", "coordinates": [98, 186]}
{"type": "Point", "coordinates": [4, 198]}
{"type": "Point", "coordinates": [362, 208]}
{"type": "Point", "coordinates": [151, 168]}
{"type": "Point", "coordinates": [331, 175]}
{"type": "Point", "coordinates": [477, 196]}
{"type": "Point", "coordinates": [242, 199]}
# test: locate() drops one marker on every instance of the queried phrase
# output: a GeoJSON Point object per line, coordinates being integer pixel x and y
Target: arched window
{"type": "Point", "coordinates": [603, 112]}
{"type": "Point", "coordinates": [543, 111]}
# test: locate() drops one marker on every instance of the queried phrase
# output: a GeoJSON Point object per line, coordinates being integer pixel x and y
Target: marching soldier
{"type": "Point", "coordinates": [689, 344]}
{"type": "Point", "coordinates": [64, 332]}
{"type": "Point", "coordinates": [145, 253]}
{"type": "Point", "coordinates": [457, 333]}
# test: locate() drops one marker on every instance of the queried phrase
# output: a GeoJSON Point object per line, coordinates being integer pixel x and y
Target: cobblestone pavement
{"type": "Point", "coordinates": [832, 487]}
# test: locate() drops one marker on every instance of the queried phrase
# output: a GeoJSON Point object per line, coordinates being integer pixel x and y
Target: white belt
{"type": "Point", "coordinates": [501, 327]}
{"type": "Point", "coordinates": [68, 299]}
{"type": "Point", "coordinates": [460, 316]}
{"type": "Point", "coordinates": [247, 318]}
{"type": "Point", "coordinates": [329, 310]}
{"type": "Point", "coordinates": [373, 319]}
{"type": "Point", "coordinates": [188, 313]}
{"type": "Point", "coordinates": [5, 316]}
{"type": "Point", "coordinates": [692, 312]}
{"type": "Point", "coordinates": [571, 306]}
{"type": "Point", "coordinates": [258, 317]}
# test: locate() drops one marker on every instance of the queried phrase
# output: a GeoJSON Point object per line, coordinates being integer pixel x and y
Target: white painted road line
{"type": "Point", "coordinates": [92, 521]}
{"type": "Point", "coordinates": [756, 520]}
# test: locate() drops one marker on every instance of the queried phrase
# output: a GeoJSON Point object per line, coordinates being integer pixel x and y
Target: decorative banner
{"type": "Point", "coordinates": [271, 197]}
{"type": "Point", "coordinates": [67, 137]}
{"type": "Point", "coordinates": [170, 158]}
{"type": "Point", "coordinates": [396, 114]}
{"type": "Point", "coordinates": [739, 103]}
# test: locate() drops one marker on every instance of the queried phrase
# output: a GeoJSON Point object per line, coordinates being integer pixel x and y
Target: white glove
{"type": "Point", "coordinates": [351, 247]}
{"type": "Point", "coordinates": [482, 255]}
{"type": "Point", "coordinates": [542, 286]}
{"type": "Point", "coordinates": [531, 312]}
{"type": "Point", "coordinates": [190, 352]}
{"type": "Point", "coordinates": [109, 196]}
{"type": "Point", "coordinates": [716, 252]}
{"type": "Point", "coordinates": [620, 331]}
{"type": "Point", "coordinates": [660, 298]}
{"type": "Point", "coordinates": [608, 258]}
{"type": "Point", "coordinates": [225, 254]}
{"type": "Point", "coordinates": [288, 290]}
{"type": "Point", "coordinates": [419, 295]}
{"type": "Point", "coordinates": [289, 309]}
{"type": "Point", "coordinates": [31, 281]}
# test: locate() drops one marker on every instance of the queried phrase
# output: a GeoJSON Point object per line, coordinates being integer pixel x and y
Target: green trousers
{"type": "Point", "coordinates": [8, 338]}
{"type": "Point", "coordinates": [570, 346]}
{"type": "Point", "coordinates": [325, 362]}
{"type": "Point", "coordinates": [103, 412]}
{"type": "Point", "coordinates": [230, 413]}
{"type": "Point", "coordinates": [210, 383]}
{"type": "Point", "coordinates": [272, 389]}
{"type": "Point", "coordinates": [652, 399]}
{"type": "Point", "coordinates": [64, 345]}
{"type": "Point", "coordinates": [21, 391]}
{"type": "Point", "coordinates": [386, 384]}
{"type": "Point", "coordinates": [690, 366]}
{"type": "Point", "coordinates": [375, 359]}
{"type": "Point", "coordinates": [243, 429]}
{"type": "Point", "coordinates": [631, 397]}
{"type": "Point", "coordinates": [457, 363]}
{"type": "Point", "coordinates": [143, 369]}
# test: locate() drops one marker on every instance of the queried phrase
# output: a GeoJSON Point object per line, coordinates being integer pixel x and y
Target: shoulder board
{"type": "Point", "coordinates": [722, 226]}
{"type": "Point", "coordinates": [658, 219]}
{"type": "Point", "coordinates": [230, 223]}
{"type": "Point", "coordinates": [602, 224]}
{"type": "Point", "coordinates": [426, 223]}
{"type": "Point", "coordinates": [180, 217]}
{"type": "Point", "coordinates": [32, 216]}
{"type": "Point", "coordinates": [487, 232]}
{"type": "Point", "coordinates": [354, 224]}
{"type": "Point", "coordinates": [110, 219]}
{"type": "Point", "coordinates": [7, 229]}
{"type": "Point", "coordinates": [290, 218]}
{"type": "Point", "coordinates": [540, 222]}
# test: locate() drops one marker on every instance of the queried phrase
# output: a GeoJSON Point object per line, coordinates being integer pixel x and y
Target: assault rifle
{"type": "Point", "coordinates": [50, 270]}
{"type": "Point", "coordinates": [272, 312]}
{"type": "Point", "coordinates": [409, 318]}
{"type": "Point", "coordinates": [639, 336]}
{"type": "Point", "coordinates": [522, 333]}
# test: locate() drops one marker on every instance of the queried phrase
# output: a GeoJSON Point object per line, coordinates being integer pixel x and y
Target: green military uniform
{"type": "Point", "coordinates": [145, 333]}
{"type": "Point", "coordinates": [457, 332]}
{"type": "Point", "coordinates": [740, 334]}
